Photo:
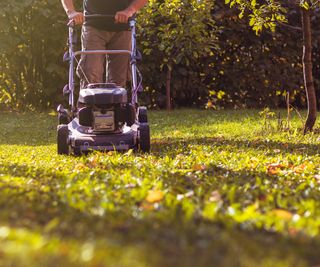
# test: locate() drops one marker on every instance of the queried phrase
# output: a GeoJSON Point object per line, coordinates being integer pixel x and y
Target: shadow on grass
{"type": "Point", "coordinates": [163, 239]}
{"type": "Point", "coordinates": [31, 129]}
{"type": "Point", "coordinates": [161, 147]}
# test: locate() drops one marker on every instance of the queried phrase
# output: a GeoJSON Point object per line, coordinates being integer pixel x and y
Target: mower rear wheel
{"type": "Point", "coordinates": [62, 140]}
{"type": "Point", "coordinates": [142, 115]}
{"type": "Point", "coordinates": [144, 131]}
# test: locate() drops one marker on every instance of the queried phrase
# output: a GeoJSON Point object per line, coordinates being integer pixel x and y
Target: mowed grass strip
{"type": "Point", "coordinates": [231, 187]}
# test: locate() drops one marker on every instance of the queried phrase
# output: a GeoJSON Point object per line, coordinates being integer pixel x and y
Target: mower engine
{"type": "Point", "coordinates": [105, 108]}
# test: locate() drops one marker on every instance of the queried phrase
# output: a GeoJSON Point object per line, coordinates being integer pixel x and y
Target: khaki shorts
{"type": "Point", "coordinates": [101, 68]}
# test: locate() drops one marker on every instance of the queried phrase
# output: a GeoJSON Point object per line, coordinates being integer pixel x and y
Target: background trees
{"type": "Point", "coordinates": [178, 36]}
{"type": "Point", "coordinates": [267, 14]}
{"type": "Point", "coordinates": [203, 50]}
{"type": "Point", "coordinates": [32, 40]}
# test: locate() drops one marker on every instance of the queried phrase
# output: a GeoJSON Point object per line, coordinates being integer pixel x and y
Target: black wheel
{"type": "Point", "coordinates": [63, 118]}
{"type": "Point", "coordinates": [77, 151]}
{"type": "Point", "coordinates": [144, 131]}
{"type": "Point", "coordinates": [142, 115]}
{"type": "Point", "coordinates": [62, 140]}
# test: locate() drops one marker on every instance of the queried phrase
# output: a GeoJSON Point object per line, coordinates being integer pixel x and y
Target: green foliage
{"type": "Point", "coordinates": [178, 32]}
{"type": "Point", "coordinates": [178, 36]}
{"type": "Point", "coordinates": [30, 51]}
{"type": "Point", "coordinates": [262, 15]}
{"type": "Point", "coordinates": [205, 51]}
{"type": "Point", "coordinates": [266, 14]}
{"type": "Point", "coordinates": [213, 181]}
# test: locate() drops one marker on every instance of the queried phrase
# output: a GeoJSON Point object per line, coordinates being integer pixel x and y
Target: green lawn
{"type": "Point", "coordinates": [220, 188]}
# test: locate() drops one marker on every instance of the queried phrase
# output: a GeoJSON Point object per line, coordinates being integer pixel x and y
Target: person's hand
{"type": "Point", "coordinates": [76, 17]}
{"type": "Point", "coordinates": [124, 15]}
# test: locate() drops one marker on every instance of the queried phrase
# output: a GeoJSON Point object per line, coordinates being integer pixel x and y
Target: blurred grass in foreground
{"type": "Point", "coordinates": [222, 188]}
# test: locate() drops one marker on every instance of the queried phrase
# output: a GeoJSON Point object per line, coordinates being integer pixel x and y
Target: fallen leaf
{"type": "Point", "coordinates": [215, 196]}
{"type": "Point", "coordinates": [93, 161]}
{"type": "Point", "coordinates": [79, 167]}
{"type": "Point", "coordinates": [282, 214]}
{"type": "Point", "coordinates": [274, 168]}
{"type": "Point", "coordinates": [299, 169]}
{"type": "Point", "coordinates": [199, 167]}
{"type": "Point", "coordinates": [154, 196]}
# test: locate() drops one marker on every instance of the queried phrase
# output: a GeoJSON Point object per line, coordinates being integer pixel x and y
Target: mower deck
{"type": "Point", "coordinates": [82, 139]}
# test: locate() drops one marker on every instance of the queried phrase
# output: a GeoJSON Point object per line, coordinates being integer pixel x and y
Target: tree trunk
{"type": "Point", "coordinates": [168, 88]}
{"type": "Point", "coordinates": [307, 71]}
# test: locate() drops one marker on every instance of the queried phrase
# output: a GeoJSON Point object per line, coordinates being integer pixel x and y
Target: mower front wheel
{"type": "Point", "coordinates": [62, 140]}
{"type": "Point", "coordinates": [144, 132]}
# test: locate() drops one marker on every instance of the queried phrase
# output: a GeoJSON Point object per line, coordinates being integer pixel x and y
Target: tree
{"type": "Point", "coordinates": [180, 32]}
{"type": "Point", "coordinates": [267, 14]}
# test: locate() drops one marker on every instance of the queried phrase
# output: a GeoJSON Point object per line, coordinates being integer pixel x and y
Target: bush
{"type": "Point", "coordinates": [204, 47]}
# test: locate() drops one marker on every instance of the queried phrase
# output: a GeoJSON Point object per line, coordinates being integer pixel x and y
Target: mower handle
{"type": "Point", "coordinates": [102, 52]}
{"type": "Point", "coordinates": [97, 16]}
{"type": "Point", "coordinates": [94, 16]}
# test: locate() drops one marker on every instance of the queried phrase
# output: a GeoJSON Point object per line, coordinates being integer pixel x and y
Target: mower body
{"type": "Point", "coordinates": [103, 119]}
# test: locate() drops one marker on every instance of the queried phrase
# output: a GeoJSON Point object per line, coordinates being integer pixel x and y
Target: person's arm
{"type": "Point", "coordinates": [124, 15]}
{"type": "Point", "coordinates": [68, 6]}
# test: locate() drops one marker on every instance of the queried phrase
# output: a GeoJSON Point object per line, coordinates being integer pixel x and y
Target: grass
{"type": "Point", "coordinates": [222, 188]}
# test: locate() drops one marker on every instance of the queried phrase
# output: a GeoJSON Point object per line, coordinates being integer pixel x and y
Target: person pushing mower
{"type": "Point", "coordinates": [104, 118]}
{"type": "Point", "coordinates": [99, 33]}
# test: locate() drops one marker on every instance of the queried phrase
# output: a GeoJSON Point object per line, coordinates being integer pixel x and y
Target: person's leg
{"type": "Point", "coordinates": [91, 67]}
{"type": "Point", "coordinates": [118, 65]}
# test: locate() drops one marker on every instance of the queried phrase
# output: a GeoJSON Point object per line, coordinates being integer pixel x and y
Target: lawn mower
{"type": "Point", "coordinates": [102, 119]}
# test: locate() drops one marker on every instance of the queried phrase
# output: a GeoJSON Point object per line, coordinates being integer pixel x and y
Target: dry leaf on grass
{"type": "Point", "coordinates": [199, 167]}
{"type": "Point", "coordinates": [299, 169]}
{"type": "Point", "coordinates": [215, 196]}
{"type": "Point", "coordinates": [282, 214]}
{"type": "Point", "coordinates": [79, 167]}
{"type": "Point", "coordinates": [274, 168]}
{"type": "Point", "coordinates": [154, 196]}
